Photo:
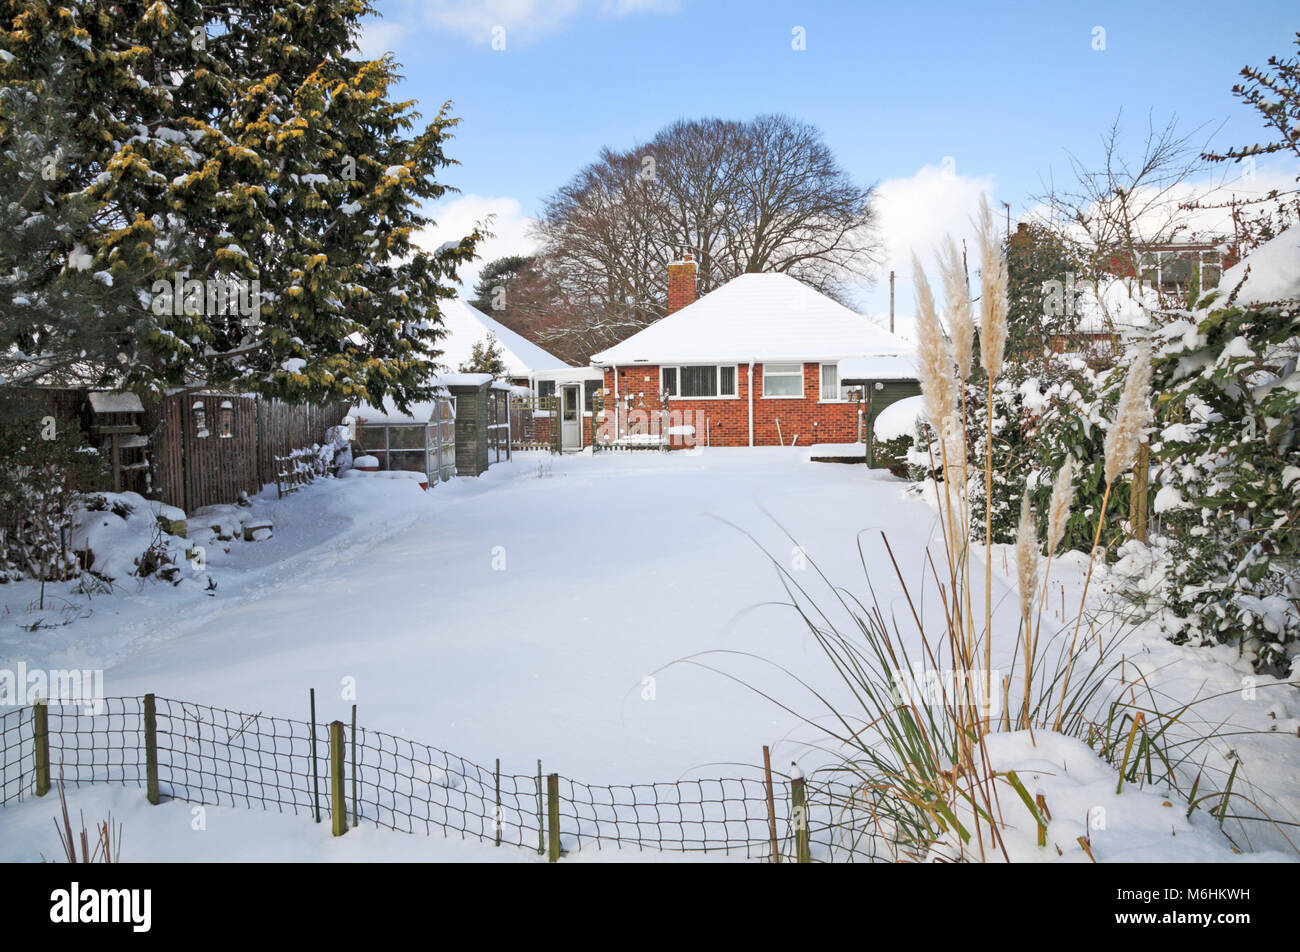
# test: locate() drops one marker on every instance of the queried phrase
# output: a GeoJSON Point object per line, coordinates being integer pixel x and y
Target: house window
{"type": "Point", "coordinates": [591, 389]}
{"type": "Point", "coordinates": [830, 383]}
{"type": "Point", "coordinates": [783, 380]}
{"type": "Point", "coordinates": [546, 388]}
{"type": "Point", "coordinates": [668, 380]}
{"type": "Point", "coordinates": [699, 380]}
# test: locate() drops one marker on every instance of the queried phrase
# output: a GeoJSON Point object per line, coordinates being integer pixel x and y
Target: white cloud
{"type": "Point", "coordinates": [456, 218]}
{"type": "Point", "coordinates": [379, 37]}
{"type": "Point", "coordinates": [914, 214]}
{"type": "Point", "coordinates": [523, 21]}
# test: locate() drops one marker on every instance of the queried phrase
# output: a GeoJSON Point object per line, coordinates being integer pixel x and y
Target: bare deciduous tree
{"type": "Point", "coordinates": [1111, 216]}
{"type": "Point", "coordinates": [764, 195]}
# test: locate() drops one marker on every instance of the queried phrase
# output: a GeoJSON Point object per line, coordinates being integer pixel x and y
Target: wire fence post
{"type": "Point", "coordinates": [315, 772]}
{"type": "Point", "coordinates": [41, 732]}
{"type": "Point", "coordinates": [541, 823]}
{"type": "Point", "coordinates": [553, 811]}
{"type": "Point", "coordinates": [771, 803]}
{"type": "Point", "coordinates": [151, 749]}
{"type": "Point", "coordinates": [799, 801]}
{"type": "Point", "coordinates": [338, 801]}
{"type": "Point", "coordinates": [355, 814]}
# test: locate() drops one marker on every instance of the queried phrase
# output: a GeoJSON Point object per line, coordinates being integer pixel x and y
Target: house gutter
{"type": "Point", "coordinates": [751, 403]}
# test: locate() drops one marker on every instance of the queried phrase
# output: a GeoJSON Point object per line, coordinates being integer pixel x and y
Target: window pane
{"type": "Point", "coordinates": [370, 438]}
{"type": "Point", "coordinates": [699, 381]}
{"type": "Point", "coordinates": [546, 388]}
{"type": "Point", "coordinates": [412, 462]}
{"type": "Point", "coordinates": [727, 386]}
{"type": "Point", "coordinates": [592, 387]}
{"type": "Point", "coordinates": [668, 377]}
{"type": "Point", "coordinates": [830, 382]}
{"type": "Point", "coordinates": [406, 437]}
{"type": "Point", "coordinates": [782, 380]}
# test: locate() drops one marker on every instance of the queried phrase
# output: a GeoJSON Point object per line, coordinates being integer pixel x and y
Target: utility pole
{"type": "Point", "coordinates": [1007, 205]}
{"type": "Point", "coordinates": [891, 302]}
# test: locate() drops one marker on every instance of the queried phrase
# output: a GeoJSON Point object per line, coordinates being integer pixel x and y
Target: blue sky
{"type": "Point", "coordinates": [935, 103]}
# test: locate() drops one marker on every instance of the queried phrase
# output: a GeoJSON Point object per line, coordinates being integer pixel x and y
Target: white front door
{"type": "Point", "coordinates": [571, 414]}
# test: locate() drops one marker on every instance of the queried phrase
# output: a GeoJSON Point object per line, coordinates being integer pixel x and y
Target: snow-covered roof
{"type": "Point", "coordinates": [1274, 272]}
{"type": "Point", "coordinates": [462, 380]}
{"type": "Point", "coordinates": [756, 317]}
{"type": "Point", "coordinates": [467, 325]}
{"type": "Point", "coordinates": [365, 414]}
{"type": "Point", "coordinates": [884, 367]}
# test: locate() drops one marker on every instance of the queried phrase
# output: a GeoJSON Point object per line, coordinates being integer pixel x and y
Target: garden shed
{"type": "Point", "coordinates": [880, 381]}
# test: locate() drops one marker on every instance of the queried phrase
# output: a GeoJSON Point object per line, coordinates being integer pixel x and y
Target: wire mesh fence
{"type": "Point", "coordinates": [213, 756]}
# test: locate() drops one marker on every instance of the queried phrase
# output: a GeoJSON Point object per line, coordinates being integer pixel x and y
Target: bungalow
{"type": "Point", "coordinates": [465, 326]}
{"type": "Point", "coordinates": [754, 363]}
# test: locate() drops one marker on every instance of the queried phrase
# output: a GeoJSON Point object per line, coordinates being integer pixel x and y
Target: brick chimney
{"type": "Point", "coordinates": [681, 283]}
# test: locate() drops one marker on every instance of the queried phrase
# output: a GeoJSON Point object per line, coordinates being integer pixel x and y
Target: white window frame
{"type": "Point", "coordinates": [786, 373]}
{"type": "Point", "coordinates": [839, 384]}
{"type": "Point", "coordinates": [717, 371]}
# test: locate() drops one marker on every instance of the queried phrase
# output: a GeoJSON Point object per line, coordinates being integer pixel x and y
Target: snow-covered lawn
{"type": "Point", "coordinates": [536, 612]}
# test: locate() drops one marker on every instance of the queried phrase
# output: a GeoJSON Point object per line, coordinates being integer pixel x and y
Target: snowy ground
{"type": "Point", "coordinates": [520, 615]}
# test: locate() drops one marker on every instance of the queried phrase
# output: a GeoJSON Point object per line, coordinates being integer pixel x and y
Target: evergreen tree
{"type": "Point", "coordinates": [485, 358]}
{"type": "Point", "coordinates": [1042, 276]}
{"type": "Point", "coordinates": [492, 290]}
{"type": "Point", "coordinates": [253, 185]}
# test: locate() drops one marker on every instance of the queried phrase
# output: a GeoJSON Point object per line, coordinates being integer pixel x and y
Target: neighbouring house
{"type": "Point", "coordinates": [757, 362]}
{"type": "Point", "coordinates": [465, 326]}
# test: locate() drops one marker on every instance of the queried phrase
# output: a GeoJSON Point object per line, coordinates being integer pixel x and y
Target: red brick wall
{"type": "Point", "coordinates": [725, 422]}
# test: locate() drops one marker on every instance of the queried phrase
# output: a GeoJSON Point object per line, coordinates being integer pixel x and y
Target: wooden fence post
{"type": "Point", "coordinates": [553, 816]}
{"type": "Point", "coordinates": [771, 804]}
{"type": "Point", "coordinates": [41, 730]}
{"type": "Point", "coordinates": [799, 815]}
{"type": "Point", "coordinates": [151, 749]}
{"type": "Point", "coordinates": [338, 800]}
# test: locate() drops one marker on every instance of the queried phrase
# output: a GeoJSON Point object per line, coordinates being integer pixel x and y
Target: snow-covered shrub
{"type": "Point", "coordinates": [898, 429]}
{"type": "Point", "coordinates": [1043, 414]}
{"type": "Point", "coordinates": [1229, 448]}
{"type": "Point", "coordinates": [45, 464]}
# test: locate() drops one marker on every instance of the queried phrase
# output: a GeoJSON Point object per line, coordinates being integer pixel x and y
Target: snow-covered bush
{"type": "Point", "coordinates": [46, 463]}
{"type": "Point", "coordinates": [1043, 414]}
{"type": "Point", "coordinates": [1229, 448]}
